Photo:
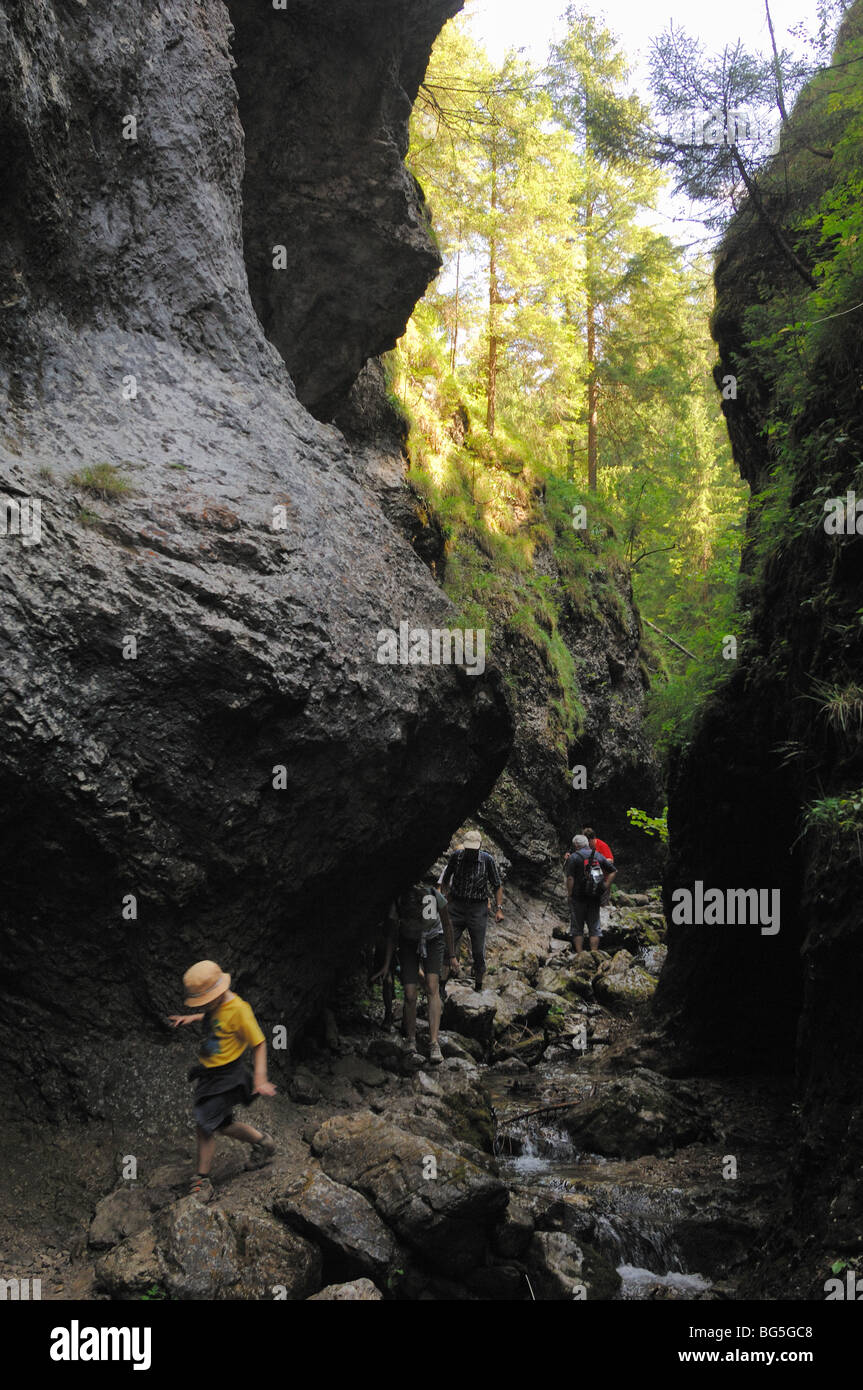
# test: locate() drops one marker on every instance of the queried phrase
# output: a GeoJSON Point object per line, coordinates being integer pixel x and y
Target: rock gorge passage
{"type": "Point", "coordinates": [201, 756]}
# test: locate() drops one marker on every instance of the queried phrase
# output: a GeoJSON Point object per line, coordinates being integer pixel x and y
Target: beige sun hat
{"type": "Point", "coordinates": [472, 840]}
{"type": "Point", "coordinates": [204, 982]}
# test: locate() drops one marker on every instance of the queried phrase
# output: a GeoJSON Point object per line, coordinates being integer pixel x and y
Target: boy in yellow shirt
{"type": "Point", "coordinates": [222, 1080]}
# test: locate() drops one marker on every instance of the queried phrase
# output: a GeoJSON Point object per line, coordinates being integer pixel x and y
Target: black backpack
{"type": "Point", "coordinates": [594, 878]}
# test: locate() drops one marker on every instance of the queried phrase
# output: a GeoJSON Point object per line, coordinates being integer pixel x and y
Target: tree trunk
{"type": "Point", "coordinates": [592, 384]}
{"type": "Point", "coordinates": [493, 302]}
{"type": "Point", "coordinates": [454, 351]}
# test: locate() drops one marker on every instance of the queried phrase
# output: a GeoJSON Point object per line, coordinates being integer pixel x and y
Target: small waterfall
{"type": "Point", "coordinates": [630, 1221]}
{"type": "Point", "coordinates": [529, 1139]}
{"type": "Point", "coordinates": [651, 958]}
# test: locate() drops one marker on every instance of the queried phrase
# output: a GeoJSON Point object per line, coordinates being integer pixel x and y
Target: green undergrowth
{"type": "Point", "coordinates": [514, 563]}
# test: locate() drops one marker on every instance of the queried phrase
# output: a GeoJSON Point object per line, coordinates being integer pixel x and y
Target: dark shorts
{"type": "Point", "coordinates": [410, 960]}
{"type": "Point", "coordinates": [584, 912]}
{"type": "Point", "coordinates": [218, 1090]}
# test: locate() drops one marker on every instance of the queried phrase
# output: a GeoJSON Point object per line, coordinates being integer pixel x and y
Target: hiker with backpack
{"type": "Point", "coordinates": [588, 875]}
{"type": "Point", "coordinates": [469, 875]}
{"type": "Point", "coordinates": [602, 848]}
{"type": "Point", "coordinates": [420, 927]}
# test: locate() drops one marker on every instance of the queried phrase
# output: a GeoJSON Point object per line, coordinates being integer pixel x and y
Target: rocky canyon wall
{"type": "Point", "coordinates": [201, 755]}
{"type": "Point", "coordinates": [765, 794]}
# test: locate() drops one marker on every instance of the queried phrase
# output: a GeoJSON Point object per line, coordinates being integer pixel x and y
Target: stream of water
{"type": "Point", "coordinates": [631, 1215]}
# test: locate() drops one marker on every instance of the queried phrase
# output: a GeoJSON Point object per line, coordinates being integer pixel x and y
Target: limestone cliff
{"type": "Point", "coordinates": [201, 756]}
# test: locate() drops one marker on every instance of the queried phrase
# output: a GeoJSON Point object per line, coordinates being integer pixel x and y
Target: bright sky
{"type": "Point", "coordinates": [503, 24]}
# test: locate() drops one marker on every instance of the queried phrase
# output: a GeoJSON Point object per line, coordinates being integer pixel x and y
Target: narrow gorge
{"type": "Point", "coordinates": [210, 246]}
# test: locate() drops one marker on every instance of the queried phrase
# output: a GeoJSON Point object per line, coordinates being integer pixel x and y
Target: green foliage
{"type": "Point", "coordinates": [558, 299]}
{"type": "Point", "coordinates": [651, 825]}
{"type": "Point", "coordinates": [102, 480]}
{"type": "Point", "coordinates": [841, 708]}
{"type": "Point", "coordinates": [837, 818]}
{"type": "Point", "coordinates": [155, 1294]}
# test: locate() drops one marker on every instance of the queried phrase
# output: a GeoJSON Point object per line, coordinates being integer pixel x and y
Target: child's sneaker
{"type": "Point", "coordinates": [262, 1152]}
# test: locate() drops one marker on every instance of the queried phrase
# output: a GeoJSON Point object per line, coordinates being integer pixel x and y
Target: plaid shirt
{"type": "Point", "coordinates": [471, 881]}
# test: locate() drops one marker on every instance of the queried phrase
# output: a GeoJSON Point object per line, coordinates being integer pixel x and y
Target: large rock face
{"type": "Point", "coordinates": [169, 648]}
{"type": "Point", "coordinates": [784, 732]}
{"type": "Point", "coordinates": [326, 91]}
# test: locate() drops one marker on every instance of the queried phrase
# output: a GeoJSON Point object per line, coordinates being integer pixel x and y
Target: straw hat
{"type": "Point", "coordinates": [204, 982]}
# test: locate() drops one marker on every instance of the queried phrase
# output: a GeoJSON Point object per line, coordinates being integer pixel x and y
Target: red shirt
{"type": "Point", "coordinates": [602, 848]}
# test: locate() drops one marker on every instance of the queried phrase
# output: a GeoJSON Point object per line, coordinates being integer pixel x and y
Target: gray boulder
{"type": "Point", "coordinates": [339, 1220]}
{"type": "Point", "coordinates": [435, 1200]}
{"type": "Point", "coordinates": [561, 1269]}
{"type": "Point", "coordinates": [360, 1291]}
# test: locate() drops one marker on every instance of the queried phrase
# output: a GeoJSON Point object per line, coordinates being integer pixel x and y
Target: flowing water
{"type": "Point", "coordinates": [630, 1213]}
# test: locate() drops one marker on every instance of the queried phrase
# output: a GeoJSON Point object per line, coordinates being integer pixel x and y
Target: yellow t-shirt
{"type": "Point", "coordinates": [231, 1029]}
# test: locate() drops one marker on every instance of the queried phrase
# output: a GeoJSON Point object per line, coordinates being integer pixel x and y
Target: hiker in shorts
{"type": "Point", "coordinates": [421, 929]}
{"type": "Point", "coordinates": [583, 866]}
{"type": "Point", "coordinates": [222, 1079]}
{"type": "Point", "coordinates": [469, 875]}
{"type": "Point", "coordinates": [601, 848]}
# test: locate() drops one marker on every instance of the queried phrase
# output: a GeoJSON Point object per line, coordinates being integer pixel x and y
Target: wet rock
{"type": "Point", "coordinates": [274, 1262]}
{"type": "Point", "coordinates": [393, 1056]}
{"type": "Point", "coordinates": [194, 1251]}
{"type": "Point", "coordinates": [553, 979]}
{"type": "Point", "coordinates": [470, 1013]}
{"type": "Point", "coordinates": [511, 1066]}
{"type": "Point", "coordinates": [358, 1070]}
{"type": "Point", "coordinates": [515, 1045]}
{"type": "Point", "coordinates": [560, 1268]}
{"type": "Point", "coordinates": [634, 1115]}
{"type": "Point", "coordinates": [132, 1268]}
{"type": "Point", "coordinates": [117, 1216]}
{"type": "Point", "coordinates": [340, 1221]}
{"type": "Point", "coordinates": [445, 1217]}
{"type": "Point", "coordinates": [513, 1235]}
{"type": "Point", "coordinates": [527, 963]}
{"type": "Point", "coordinates": [518, 1003]}
{"type": "Point", "coordinates": [620, 983]}
{"type": "Point", "coordinates": [129, 1207]}
{"type": "Point", "coordinates": [304, 1089]}
{"type": "Point", "coordinates": [359, 1291]}
{"type": "Point", "coordinates": [426, 1084]}
{"type": "Point", "coordinates": [463, 1049]}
